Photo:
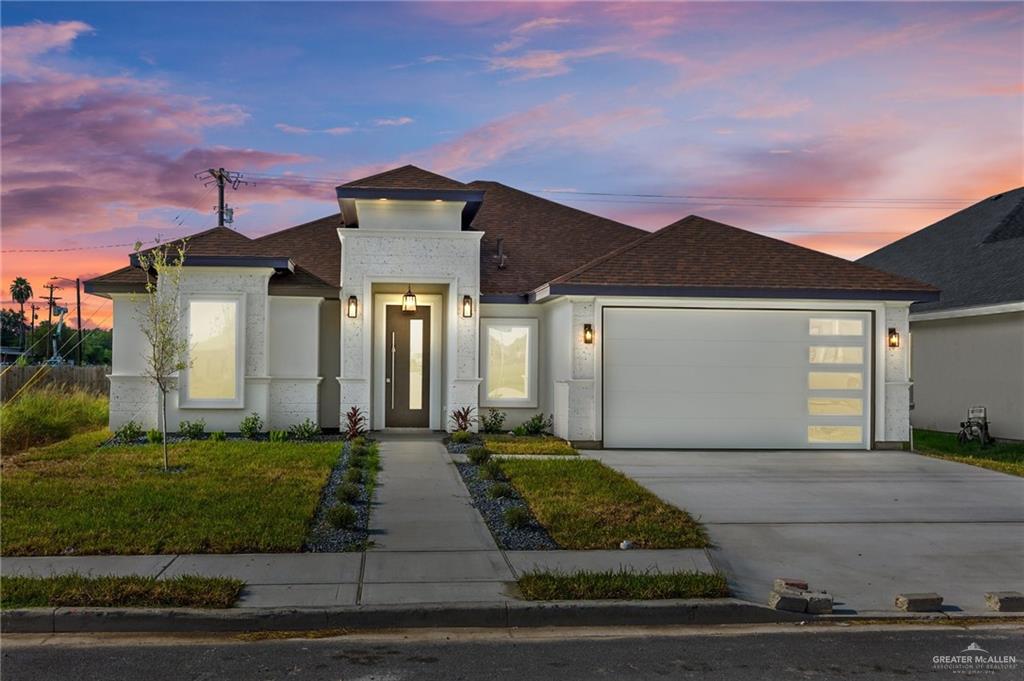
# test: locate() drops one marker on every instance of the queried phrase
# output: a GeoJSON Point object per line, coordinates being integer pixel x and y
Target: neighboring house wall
{"type": "Point", "coordinates": [294, 360]}
{"type": "Point", "coordinates": [963, 362]}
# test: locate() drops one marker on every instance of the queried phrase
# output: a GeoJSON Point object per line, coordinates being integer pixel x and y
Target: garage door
{"type": "Point", "coordinates": [736, 379]}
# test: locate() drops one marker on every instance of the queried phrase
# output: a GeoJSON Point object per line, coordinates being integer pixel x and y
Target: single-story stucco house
{"type": "Point", "coordinates": [698, 335]}
{"type": "Point", "coordinates": [967, 347]}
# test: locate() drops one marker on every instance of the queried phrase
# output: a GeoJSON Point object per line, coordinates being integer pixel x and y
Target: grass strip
{"type": "Point", "coordinates": [47, 415]}
{"type": "Point", "coordinates": [225, 497]}
{"type": "Point", "coordinates": [526, 446]}
{"type": "Point", "coordinates": [584, 504]}
{"type": "Point", "coordinates": [1005, 457]}
{"type": "Point", "coordinates": [621, 585]}
{"type": "Point", "coordinates": [186, 591]}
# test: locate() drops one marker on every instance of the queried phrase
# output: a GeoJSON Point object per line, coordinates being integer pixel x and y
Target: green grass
{"type": "Point", "coordinates": [510, 445]}
{"type": "Point", "coordinates": [1005, 457]}
{"type": "Point", "coordinates": [583, 504]}
{"type": "Point", "coordinates": [228, 497]}
{"type": "Point", "coordinates": [187, 591]}
{"type": "Point", "coordinates": [621, 585]}
{"type": "Point", "coordinates": [39, 417]}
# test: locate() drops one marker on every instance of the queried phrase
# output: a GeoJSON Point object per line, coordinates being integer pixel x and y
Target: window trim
{"type": "Point", "coordinates": [184, 400]}
{"type": "Point", "coordinates": [532, 368]}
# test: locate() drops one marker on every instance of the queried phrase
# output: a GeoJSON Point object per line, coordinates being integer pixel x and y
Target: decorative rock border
{"type": "Point", "coordinates": [531, 537]}
{"type": "Point", "coordinates": [324, 537]}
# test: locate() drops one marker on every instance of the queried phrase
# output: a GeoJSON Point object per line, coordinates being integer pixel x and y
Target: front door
{"type": "Point", "coordinates": [407, 367]}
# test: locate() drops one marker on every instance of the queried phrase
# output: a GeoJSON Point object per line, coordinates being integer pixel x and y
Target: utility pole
{"type": "Point", "coordinates": [49, 312]}
{"type": "Point", "coordinates": [32, 319]}
{"type": "Point", "coordinates": [78, 303]}
{"type": "Point", "coordinates": [221, 178]}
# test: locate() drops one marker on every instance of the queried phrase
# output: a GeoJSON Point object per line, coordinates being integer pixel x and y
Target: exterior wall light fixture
{"type": "Point", "coordinates": [893, 337]}
{"type": "Point", "coordinates": [467, 306]}
{"type": "Point", "coordinates": [352, 310]}
{"type": "Point", "coordinates": [409, 301]}
{"type": "Point", "coordinates": [588, 333]}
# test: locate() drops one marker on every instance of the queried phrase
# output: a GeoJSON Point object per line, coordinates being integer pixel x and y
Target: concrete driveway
{"type": "Point", "coordinates": [861, 525]}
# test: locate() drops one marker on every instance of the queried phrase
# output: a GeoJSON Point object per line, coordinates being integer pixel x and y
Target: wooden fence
{"type": "Point", "coordinates": [91, 378]}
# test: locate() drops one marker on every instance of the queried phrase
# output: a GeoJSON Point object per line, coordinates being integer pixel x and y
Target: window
{"type": "Point", "coordinates": [509, 356]}
{"type": "Point", "coordinates": [834, 434]}
{"type": "Point", "coordinates": [835, 380]}
{"type": "Point", "coordinates": [827, 354]}
{"type": "Point", "coordinates": [836, 327]}
{"type": "Point", "coordinates": [215, 340]}
{"type": "Point", "coordinates": [835, 406]}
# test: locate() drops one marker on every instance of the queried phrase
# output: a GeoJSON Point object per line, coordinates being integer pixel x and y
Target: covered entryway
{"type": "Point", "coordinates": [688, 378]}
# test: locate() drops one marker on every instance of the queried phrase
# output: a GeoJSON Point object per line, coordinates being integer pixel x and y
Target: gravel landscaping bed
{"type": "Point", "coordinates": [531, 537]}
{"type": "Point", "coordinates": [463, 447]}
{"type": "Point", "coordinates": [324, 537]}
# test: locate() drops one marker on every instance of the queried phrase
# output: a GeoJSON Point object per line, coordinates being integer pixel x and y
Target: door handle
{"type": "Point", "coordinates": [391, 380]}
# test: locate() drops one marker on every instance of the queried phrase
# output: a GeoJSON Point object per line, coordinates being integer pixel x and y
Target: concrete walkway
{"type": "Point", "coordinates": [429, 546]}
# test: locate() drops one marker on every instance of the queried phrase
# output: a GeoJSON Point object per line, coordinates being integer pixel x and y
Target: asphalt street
{"type": "Point", "coordinates": [752, 653]}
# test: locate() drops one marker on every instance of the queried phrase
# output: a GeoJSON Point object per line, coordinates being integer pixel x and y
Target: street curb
{"type": "Point", "coordinates": [479, 615]}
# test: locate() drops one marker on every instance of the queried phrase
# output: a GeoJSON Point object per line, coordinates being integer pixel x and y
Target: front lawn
{"type": "Point", "coordinates": [583, 504]}
{"type": "Point", "coordinates": [76, 591]}
{"type": "Point", "coordinates": [39, 417]}
{"type": "Point", "coordinates": [621, 584]}
{"type": "Point", "coordinates": [516, 445]}
{"type": "Point", "coordinates": [1005, 457]}
{"type": "Point", "coordinates": [227, 497]}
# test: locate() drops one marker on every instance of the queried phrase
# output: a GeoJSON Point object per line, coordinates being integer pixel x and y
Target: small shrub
{"type": "Point", "coordinates": [358, 442]}
{"type": "Point", "coordinates": [346, 491]}
{"type": "Point", "coordinates": [491, 470]}
{"type": "Point", "coordinates": [520, 431]}
{"type": "Point", "coordinates": [462, 418]}
{"type": "Point", "coordinates": [342, 516]}
{"type": "Point", "coordinates": [307, 430]}
{"type": "Point", "coordinates": [279, 436]}
{"type": "Point", "coordinates": [461, 436]}
{"type": "Point", "coordinates": [478, 455]}
{"type": "Point", "coordinates": [501, 490]}
{"type": "Point", "coordinates": [218, 436]}
{"type": "Point", "coordinates": [516, 517]}
{"type": "Point", "coordinates": [251, 426]}
{"type": "Point", "coordinates": [355, 423]}
{"type": "Point", "coordinates": [366, 463]}
{"type": "Point", "coordinates": [354, 475]}
{"type": "Point", "coordinates": [154, 436]}
{"type": "Point", "coordinates": [539, 425]}
{"type": "Point", "coordinates": [129, 432]}
{"type": "Point", "coordinates": [493, 421]}
{"type": "Point", "coordinates": [193, 430]}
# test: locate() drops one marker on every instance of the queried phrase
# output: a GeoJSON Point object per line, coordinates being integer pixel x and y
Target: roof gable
{"type": "Point", "coordinates": [406, 177]}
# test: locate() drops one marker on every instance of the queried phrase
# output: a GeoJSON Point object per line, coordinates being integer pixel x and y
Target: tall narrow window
{"type": "Point", "coordinates": [214, 334]}
{"type": "Point", "coordinates": [510, 362]}
{"type": "Point", "coordinates": [415, 364]}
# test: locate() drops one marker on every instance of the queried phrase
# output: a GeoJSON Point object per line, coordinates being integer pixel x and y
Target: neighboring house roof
{"type": "Point", "coordinates": [697, 256]}
{"type": "Point", "coordinates": [975, 256]}
{"type": "Point", "coordinates": [545, 242]}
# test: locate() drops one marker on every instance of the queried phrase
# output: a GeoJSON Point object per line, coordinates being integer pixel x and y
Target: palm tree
{"type": "Point", "coordinates": [21, 291]}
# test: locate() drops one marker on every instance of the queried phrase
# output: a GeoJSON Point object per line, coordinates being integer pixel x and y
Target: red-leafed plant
{"type": "Point", "coordinates": [355, 423]}
{"type": "Point", "coordinates": [463, 418]}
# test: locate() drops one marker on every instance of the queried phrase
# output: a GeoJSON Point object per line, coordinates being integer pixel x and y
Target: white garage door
{"type": "Point", "coordinates": [736, 379]}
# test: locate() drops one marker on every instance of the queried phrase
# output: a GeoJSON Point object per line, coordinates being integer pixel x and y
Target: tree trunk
{"type": "Point", "coordinates": [22, 305]}
{"type": "Point", "coordinates": [163, 424]}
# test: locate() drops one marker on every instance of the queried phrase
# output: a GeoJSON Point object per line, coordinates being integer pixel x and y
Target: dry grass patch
{"type": "Point", "coordinates": [76, 591]}
{"type": "Point", "coordinates": [39, 417]}
{"type": "Point", "coordinates": [510, 445]}
{"type": "Point", "coordinates": [621, 585]}
{"type": "Point", "coordinates": [226, 497]}
{"type": "Point", "coordinates": [583, 504]}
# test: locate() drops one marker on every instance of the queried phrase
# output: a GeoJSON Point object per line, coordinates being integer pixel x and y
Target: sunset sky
{"type": "Point", "coordinates": [840, 126]}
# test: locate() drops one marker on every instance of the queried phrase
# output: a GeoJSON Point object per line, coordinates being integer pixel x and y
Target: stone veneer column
{"type": "Point", "coordinates": [582, 416]}
{"type": "Point", "coordinates": [897, 376]}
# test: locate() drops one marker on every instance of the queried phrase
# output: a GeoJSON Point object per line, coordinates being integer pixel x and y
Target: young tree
{"type": "Point", "coordinates": [160, 321]}
{"type": "Point", "coordinates": [21, 291]}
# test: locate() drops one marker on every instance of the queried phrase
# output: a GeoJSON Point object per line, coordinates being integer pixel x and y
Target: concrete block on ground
{"type": "Point", "coordinates": [818, 602]}
{"type": "Point", "coordinates": [1005, 601]}
{"type": "Point", "coordinates": [919, 602]}
{"type": "Point", "coordinates": [788, 600]}
{"type": "Point", "coordinates": [784, 583]}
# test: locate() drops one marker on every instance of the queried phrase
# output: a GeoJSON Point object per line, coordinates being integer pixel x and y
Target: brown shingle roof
{"type": "Point", "coordinates": [541, 239]}
{"type": "Point", "coordinates": [703, 254]}
{"type": "Point", "coordinates": [313, 245]}
{"type": "Point", "coordinates": [406, 177]}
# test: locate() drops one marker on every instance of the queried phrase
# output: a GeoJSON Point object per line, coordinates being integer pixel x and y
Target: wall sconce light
{"type": "Point", "coordinates": [409, 301]}
{"type": "Point", "coordinates": [588, 333]}
{"type": "Point", "coordinates": [467, 306]}
{"type": "Point", "coordinates": [353, 308]}
{"type": "Point", "coordinates": [894, 337]}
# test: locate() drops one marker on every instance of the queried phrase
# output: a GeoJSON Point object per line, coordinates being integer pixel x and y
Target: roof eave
{"type": "Point", "coordinates": [277, 263]}
{"type": "Point", "coordinates": [579, 289]}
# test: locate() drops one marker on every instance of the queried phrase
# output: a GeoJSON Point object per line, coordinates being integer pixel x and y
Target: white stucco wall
{"type": "Point", "coordinates": [514, 416]}
{"type": "Point", "coordinates": [410, 256]}
{"type": "Point", "coordinates": [963, 362]}
{"type": "Point", "coordinates": [294, 360]}
{"type": "Point", "coordinates": [375, 214]}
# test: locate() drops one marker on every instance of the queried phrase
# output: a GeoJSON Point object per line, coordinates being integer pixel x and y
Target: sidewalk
{"type": "Point", "coordinates": [429, 546]}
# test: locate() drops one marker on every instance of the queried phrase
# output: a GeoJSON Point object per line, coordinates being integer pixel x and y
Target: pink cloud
{"type": "Point", "coordinates": [22, 45]}
{"type": "Point", "coordinates": [779, 108]}
{"type": "Point", "coordinates": [520, 34]}
{"type": "Point", "coordinates": [393, 122]}
{"type": "Point", "coordinates": [298, 130]}
{"type": "Point", "coordinates": [546, 63]}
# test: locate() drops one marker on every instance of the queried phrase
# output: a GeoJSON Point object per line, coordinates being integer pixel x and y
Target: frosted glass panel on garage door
{"type": "Point", "coordinates": [730, 379]}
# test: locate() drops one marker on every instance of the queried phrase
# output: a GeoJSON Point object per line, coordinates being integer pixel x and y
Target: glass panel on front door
{"type": "Point", "coordinates": [407, 367]}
